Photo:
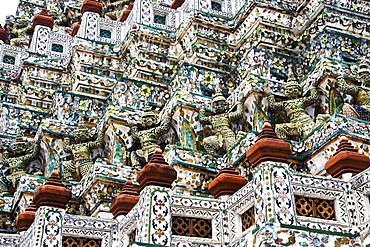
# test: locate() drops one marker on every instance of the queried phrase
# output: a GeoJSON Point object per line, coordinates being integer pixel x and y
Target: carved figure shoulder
{"type": "Point", "coordinates": [344, 87]}
{"type": "Point", "coordinates": [203, 118]}
{"type": "Point", "coordinates": [312, 99]}
{"type": "Point", "coordinates": [164, 127]}
{"type": "Point", "coordinates": [238, 113]}
{"type": "Point", "coordinates": [98, 142]}
{"type": "Point", "coordinates": [31, 156]}
{"type": "Point", "coordinates": [276, 106]}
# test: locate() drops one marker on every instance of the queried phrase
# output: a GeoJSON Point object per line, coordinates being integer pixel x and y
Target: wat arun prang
{"type": "Point", "coordinates": [185, 123]}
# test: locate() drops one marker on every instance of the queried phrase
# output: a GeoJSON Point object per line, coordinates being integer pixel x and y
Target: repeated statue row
{"type": "Point", "coordinates": [300, 124]}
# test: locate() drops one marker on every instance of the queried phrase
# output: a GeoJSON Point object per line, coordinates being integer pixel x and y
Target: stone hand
{"type": "Point", "coordinates": [173, 109]}
{"type": "Point", "coordinates": [199, 106]}
{"type": "Point", "coordinates": [38, 136]}
{"type": "Point", "coordinates": [267, 90]}
{"type": "Point", "coordinates": [314, 83]}
{"type": "Point", "coordinates": [335, 73]}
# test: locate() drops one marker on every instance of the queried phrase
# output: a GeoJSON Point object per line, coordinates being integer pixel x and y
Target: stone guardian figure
{"type": "Point", "coordinates": [221, 121]}
{"type": "Point", "coordinates": [17, 160]}
{"type": "Point", "coordinates": [81, 163]}
{"type": "Point", "coordinates": [301, 123]}
{"type": "Point", "coordinates": [148, 136]}
{"type": "Point", "coordinates": [361, 94]}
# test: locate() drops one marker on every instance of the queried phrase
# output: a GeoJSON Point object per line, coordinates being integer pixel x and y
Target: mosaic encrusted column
{"type": "Point", "coordinates": [43, 25]}
{"type": "Point", "coordinates": [154, 219]}
{"type": "Point", "coordinates": [274, 199]}
{"type": "Point", "coordinates": [51, 200]}
{"type": "Point", "coordinates": [89, 26]}
{"type": "Point", "coordinates": [48, 227]}
{"type": "Point", "coordinates": [346, 161]}
{"type": "Point", "coordinates": [145, 14]}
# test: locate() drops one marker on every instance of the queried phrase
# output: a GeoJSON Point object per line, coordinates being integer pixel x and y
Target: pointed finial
{"type": "Point", "coordinates": [157, 172]}
{"type": "Point", "coordinates": [346, 160]}
{"type": "Point", "coordinates": [91, 6]}
{"type": "Point", "coordinates": [128, 181]}
{"type": "Point", "coordinates": [268, 147]}
{"type": "Point", "coordinates": [343, 138]}
{"type": "Point", "coordinates": [158, 157]}
{"type": "Point", "coordinates": [53, 193]}
{"type": "Point", "coordinates": [128, 188]}
{"type": "Point", "coordinates": [54, 178]}
{"type": "Point", "coordinates": [266, 125]}
{"type": "Point", "coordinates": [128, 198]}
{"type": "Point", "coordinates": [345, 145]}
{"type": "Point", "coordinates": [43, 19]}
{"type": "Point", "coordinates": [55, 172]}
{"type": "Point", "coordinates": [44, 12]}
{"type": "Point", "coordinates": [267, 132]}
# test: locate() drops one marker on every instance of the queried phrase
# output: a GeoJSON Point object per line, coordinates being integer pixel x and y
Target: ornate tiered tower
{"type": "Point", "coordinates": [202, 123]}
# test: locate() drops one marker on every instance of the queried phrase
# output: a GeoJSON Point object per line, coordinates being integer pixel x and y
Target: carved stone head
{"type": "Point", "coordinates": [293, 88]}
{"type": "Point", "coordinates": [82, 132]}
{"type": "Point", "coordinates": [219, 103]}
{"type": "Point", "coordinates": [19, 146]}
{"type": "Point", "coordinates": [293, 91]}
{"type": "Point", "coordinates": [363, 74]}
{"type": "Point", "coordinates": [22, 23]}
{"type": "Point", "coordinates": [148, 118]}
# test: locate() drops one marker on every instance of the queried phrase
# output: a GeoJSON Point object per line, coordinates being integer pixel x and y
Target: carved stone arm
{"type": "Point", "coordinates": [164, 127]}
{"type": "Point", "coordinates": [344, 87]}
{"type": "Point", "coordinates": [203, 119]}
{"type": "Point", "coordinates": [238, 113]}
{"type": "Point", "coordinates": [277, 106]}
{"type": "Point", "coordinates": [135, 133]}
{"type": "Point", "coordinates": [67, 145]}
{"type": "Point", "coordinates": [98, 142]}
{"type": "Point", "coordinates": [5, 157]}
{"type": "Point", "coordinates": [33, 155]}
{"type": "Point", "coordinates": [313, 98]}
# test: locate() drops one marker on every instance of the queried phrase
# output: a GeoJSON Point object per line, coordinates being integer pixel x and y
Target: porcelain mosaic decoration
{"type": "Point", "coordinates": [177, 96]}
